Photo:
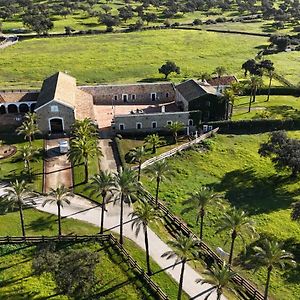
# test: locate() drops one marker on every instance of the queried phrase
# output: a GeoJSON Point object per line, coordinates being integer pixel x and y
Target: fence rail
{"type": "Point", "coordinates": [84, 238]}
{"type": "Point", "coordinates": [250, 289]}
{"type": "Point", "coordinates": [176, 150]}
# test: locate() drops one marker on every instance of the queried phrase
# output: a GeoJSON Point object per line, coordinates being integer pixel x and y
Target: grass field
{"type": "Point", "coordinates": [12, 167]}
{"type": "Point", "coordinates": [278, 107]}
{"type": "Point", "coordinates": [125, 57]}
{"type": "Point", "coordinates": [134, 57]}
{"type": "Point", "coordinates": [234, 167]}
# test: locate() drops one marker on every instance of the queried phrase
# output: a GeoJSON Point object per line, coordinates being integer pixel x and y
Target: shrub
{"type": "Point", "coordinates": [197, 22]}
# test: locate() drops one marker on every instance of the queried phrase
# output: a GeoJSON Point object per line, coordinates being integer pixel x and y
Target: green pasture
{"type": "Point", "coordinates": [278, 107]}
{"type": "Point", "coordinates": [248, 181]}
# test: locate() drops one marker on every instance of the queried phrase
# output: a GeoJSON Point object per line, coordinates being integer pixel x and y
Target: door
{"type": "Point", "coordinates": [56, 126]}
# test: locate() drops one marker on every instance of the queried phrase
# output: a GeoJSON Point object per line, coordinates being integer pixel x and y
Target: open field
{"type": "Point", "coordinates": [134, 57]}
{"type": "Point", "coordinates": [278, 107]}
{"type": "Point", "coordinates": [234, 167]}
{"type": "Point", "coordinates": [12, 167]}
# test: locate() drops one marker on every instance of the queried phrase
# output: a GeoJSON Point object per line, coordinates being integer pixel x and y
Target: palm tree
{"type": "Point", "coordinates": [237, 222]}
{"type": "Point", "coordinates": [249, 66]}
{"type": "Point", "coordinates": [175, 127]}
{"type": "Point", "coordinates": [102, 184]}
{"type": "Point", "coordinates": [83, 149]}
{"type": "Point", "coordinates": [126, 187]}
{"type": "Point", "coordinates": [137, 155]}
{"type": "Point", "coordinates": [185, 250]}
{"type": "Point", "coordinates": [254, 83]}
{"type": "Point", "coordinates": [198, 202]}
{"type": "Point", "coordinates": [219, 277]}
{"type": "Point", "coordinates": [295, 214]}
{"type": "Point", "coordinates": [27, 154]}
{"type": "Point", "coordinates": [154, 140]}
{"type": "Point", "coordinates": [220, 71]}
{"type": "Point", "coordinates": [160, 171]}
{"type": "Point", "coordinates": [84, 128]}
{"type": "Point", "coordinates": [143, 215]}
{"type": "Point", "coordinates": [271, 255]}
{"type": "Point", "coordinates": [60, 195]}
{"type": "Point", "coordinates": [17, 195]}
{"type": "Point", "coordinates": [268, 65]}
{"type": "Point", "coordinates": [29, 127]}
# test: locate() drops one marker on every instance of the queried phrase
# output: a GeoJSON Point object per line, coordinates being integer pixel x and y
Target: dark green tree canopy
{"type": "Point", "coordinates": [168, 68]}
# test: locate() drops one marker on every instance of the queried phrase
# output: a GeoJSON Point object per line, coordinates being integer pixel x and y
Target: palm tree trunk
{"type": "Point", "coordinates": [153, 148]}
{"type": "Point", "coordinates": [175, 137]}
{"type": "Point", "coordinates": [233, 237]}
{"type": "Point", "coordinates": [147, 250]}
{"type": "Point", "coordinates": [59, 220]}
{"type": "Point", "coordinates": [121, 220]}
{"type": "Point", "coordinates": [139, 170]}
{"type": "Point", "coordinates": [102, 213]}
{"type": "Point", "coordinates": [157, 190]}
{"type": "Point", "coordinates": [254, 94]}
{"type": "Point", "coordinates": [269, 88]}
{"type": "Point", "coordinates": [86, 170]}
{"type": "Point", "coordinates": [22, 220]}
{"type": "Point", "coordinates": [30, 140]}
{"type": "Point", "coordinates": [268, 282]}
{"type": "Point", "coordinates": [181, 280]}
{"type": "Point", "coordinates": [250, 101]}
{"type": "Point", "coordinates": [202, 213]}
{"type": "Point", "coordinates": [219, 294]}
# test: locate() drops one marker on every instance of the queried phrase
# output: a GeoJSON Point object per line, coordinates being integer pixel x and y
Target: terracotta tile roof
{"type": "Point", "coordinates": [60, 87]}
{"type": "Point", "coordinates": [191, 90]}
{"type": "Point", "coordinates": [84, 105]}
{"type": "Point", "coordinates": [7, 97]}
{"type": "Point", "coordinates": [223, 80]}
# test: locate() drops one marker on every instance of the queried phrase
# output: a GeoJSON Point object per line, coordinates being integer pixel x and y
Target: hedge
{"type": "Point", "coordinates": [289, 91]}
{"type": "Point", "coordinates": [255, 126]}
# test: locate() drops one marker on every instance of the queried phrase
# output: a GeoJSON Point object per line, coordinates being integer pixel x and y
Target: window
{"type": "Point", "coordinates": [191, 123]}
{"type": "Point", "coordinates": [153, 96]}
{"type": "Point", "coordinates": [54, 108]}
{"type": "Point", "coordinates": [167, 95]}
{"type": "Point", "coordinates": [133, 97]}
{"type": "Point", "coordinates": [169, 122]}
{"type": "Point", "coordinates": [154, 124]}
{"type": "Point", "coordinates": [125, 97]}
{"type": "Point", "coordinates": [139, 125]}
{"type": "Point", "coordinates": [121, 126]}
{"type": "Point", "coordinates": [116, 97]}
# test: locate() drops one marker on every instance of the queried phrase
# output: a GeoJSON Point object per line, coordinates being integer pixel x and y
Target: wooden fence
{"type": "Point", "coordinates": [250, 289]}
{"type": "Point", "coordinates": [85, 238]}
{"type": "Point", "coordinates": [173, 151]}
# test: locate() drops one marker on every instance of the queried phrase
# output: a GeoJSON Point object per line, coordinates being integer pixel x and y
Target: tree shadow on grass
{"type": "Point", "coordinates": [41, 223]}
{"type": "Point", "coordinates": [250, 191]}
{"type": "Point", "coordinates": [153, 79]}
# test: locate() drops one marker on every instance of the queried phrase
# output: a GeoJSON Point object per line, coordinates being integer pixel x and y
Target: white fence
{"type": "Point", "coordinates": [177, 149]}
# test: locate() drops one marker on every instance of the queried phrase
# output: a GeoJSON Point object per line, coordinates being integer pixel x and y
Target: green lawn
{"type": "Point", "coordinates": [18, 282]}
{"type": "Point", "coordinates": [125, 57]}
{"type": "Point", "coordinates": [12, 167]}
{"type": "Point", "coordinates": [278, 107]}
{"type": "Point", "coordinates": [249, 182]}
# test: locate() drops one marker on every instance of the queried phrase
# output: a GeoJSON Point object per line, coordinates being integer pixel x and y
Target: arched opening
{"type": "Point", "coordinates": [2, 110]}
{"type": "Point", "coordinates": [56, 125]}
{"type": "Point", "coordinates": [23, 108]}
{"type": "Point", "coordinates": [32, 107]}
{"type": "Point", "coordinates": [12, 109]}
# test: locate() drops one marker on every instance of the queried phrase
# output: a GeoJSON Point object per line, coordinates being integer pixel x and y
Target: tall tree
{"type": "Point", "coordinates": [154, 140]}
{"type": "Point", "coordinates": [143, 215]}
{"type": "Point", "coordinates": [270, 255]}
{"type": "Point", "coordinates": [249, 66]}
{"type": "Point", "coordinates": [198, 201]}
{"type": "Point", "coordinates": [184, 250]}
{"type": "Point", "coordinates": [268, 65]}
{"type": "Point", "coordinates": [101, 185]}
{"type": "Point", "coordinates": [28, 153]}
{"type": "Point", "coordinates": [18, 194]}
{"type": "Point", "coordinates": [84, 128]}
{"type": "Point", "coordinates": [29, 127]}
{"type": "Point", "coordinates": [136, 155]}
{"type": "Point", "coordinates": [60, 195]}
{"type": "Point", "coordinates": [82, 149]}
{"type": "Point", "coordinates": [237, 223]}
{"type": "Point", "coordinates": [126, 187]}
{"type": "Point", "coordinates": [175, 127]}
{"type": "Point", "coordinates": [254, 83]}
{"type": "Point", "coordinates": [168, 68]}
{"type": "Point", "coordinates": [160, 171]}
{"type": "Point", "coordinates": [219, 278]}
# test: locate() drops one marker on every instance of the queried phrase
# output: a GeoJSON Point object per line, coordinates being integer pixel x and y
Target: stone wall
{"type": "Point", "coordinates": [64, 112]}
{"type": "Point", "coordinates": [130, 122]}
{"type": "Point", "coordinates": [143, 93]}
